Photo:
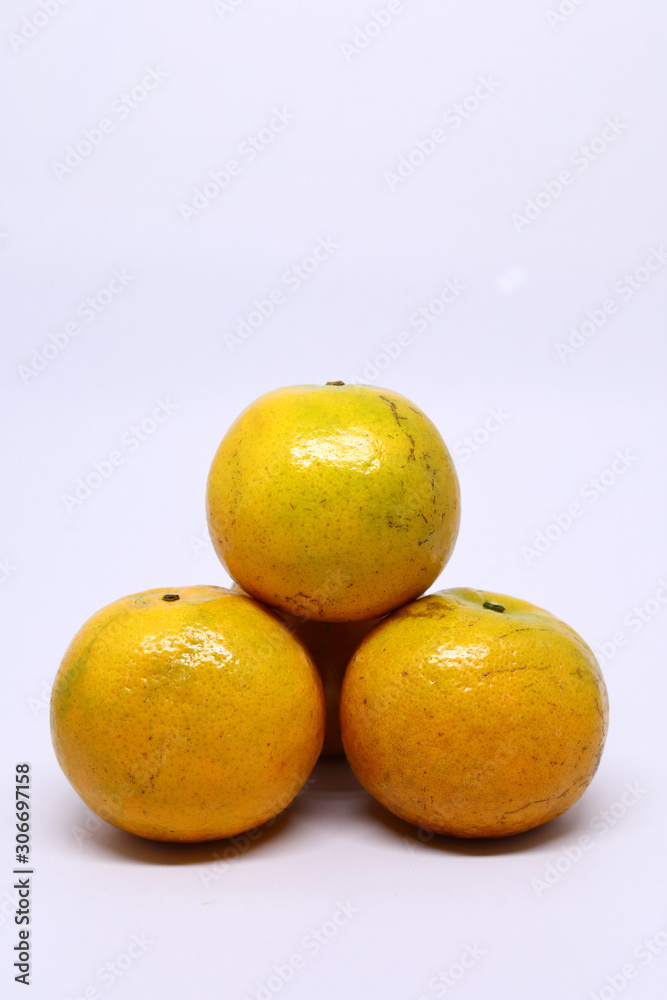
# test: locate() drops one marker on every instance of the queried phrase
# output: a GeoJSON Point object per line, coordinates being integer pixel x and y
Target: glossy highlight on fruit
{"type": "Point", "coordinates": [334, 503]}
{"type": "Point", "coordinates": [186, 714]}
{"type": "Point", "coordinates": [474, 714]}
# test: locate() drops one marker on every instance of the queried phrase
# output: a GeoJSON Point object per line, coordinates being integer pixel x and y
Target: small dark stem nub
{"type": "Point", "coordinates": [335, 383]}
{"type": "Point", "coordinates": [171, 597]}
{"type": "Point", "coordinates": [492, 606]}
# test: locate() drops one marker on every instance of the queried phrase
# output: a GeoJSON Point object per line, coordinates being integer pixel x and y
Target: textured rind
{"type": "Point", "coordinates": [335, 503]}
{"type": "Point", "coordinates": [470, 722]}
{"type": "Point", "coordinates": [186, 720]}
{"type": "Point", "coordinates": [330, 645]}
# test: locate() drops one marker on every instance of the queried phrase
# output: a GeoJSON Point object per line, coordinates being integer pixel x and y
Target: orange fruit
{"type": "Point", "coordinates": [474, 714]}
{"type": "Point", "coordinates": [186, 714]}
{"type": "Point", "coordinates": [334, 503]}
{"type": "Point", "coordinates": [330, 645]}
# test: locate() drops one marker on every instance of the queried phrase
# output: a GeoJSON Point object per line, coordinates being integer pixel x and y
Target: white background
{"type": "Point", "coordinates": [165, 336]}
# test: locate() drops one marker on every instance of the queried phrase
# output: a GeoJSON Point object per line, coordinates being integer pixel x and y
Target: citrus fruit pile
{"type": "Point", "coordinates": [194, 713]}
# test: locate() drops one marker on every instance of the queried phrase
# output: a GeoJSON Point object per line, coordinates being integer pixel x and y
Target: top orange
{"type": "Point", "coordinates": [335, 503]}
